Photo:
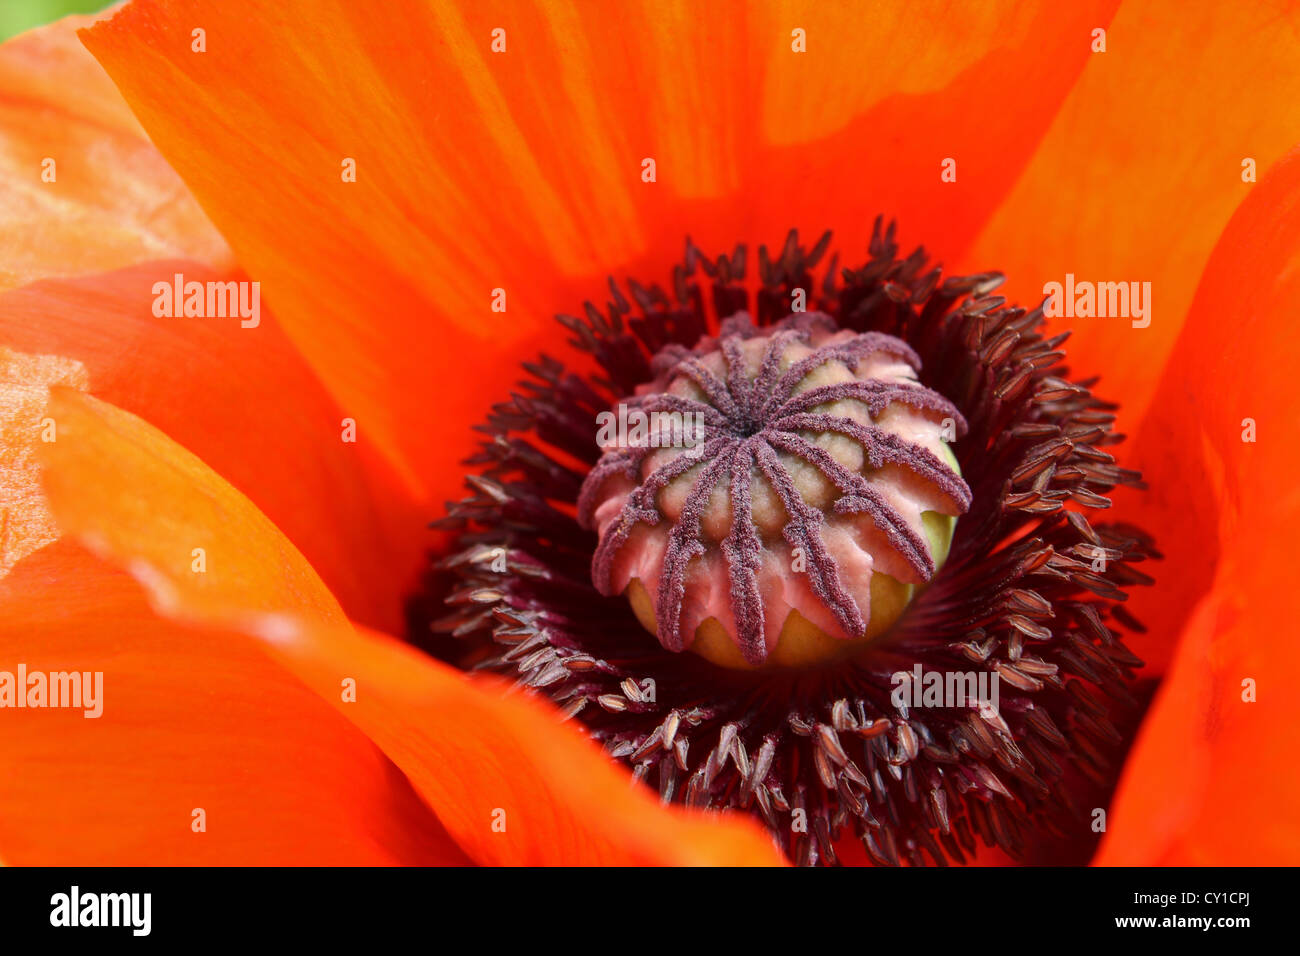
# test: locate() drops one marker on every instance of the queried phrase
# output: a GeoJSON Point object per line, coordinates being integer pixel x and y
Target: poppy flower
{"type": "Point", "coordinates": [224, 511]}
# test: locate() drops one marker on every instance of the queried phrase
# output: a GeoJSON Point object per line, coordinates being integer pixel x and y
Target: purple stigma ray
{"type": "Point", "coordinates": [859, 497]}
{"type": "Point", "coordinates": [743, 549]}
{"type": "Point", "coordinates": [771, 365]}
{"type": "Point", "coordinates": [713, 387]}
{"type": "Point", "coordinates": [684, 543]}
{"type": "Point", "coordinates": [804, 531]}
{"type": "Point", "coordinates": [883, 448]}
{"type": "Point", "coordinates": [737, 384]}
{"type": "Point", "coordinates": [849, 354]}
{"type": "Point", "coordinates": [752, 424]}
{"type": "Point", "coordinates": [610, 464]}
{"type": "Point", "coordinates": [640, 508]}
{"type": "Point", "coordinates": [875, 394]}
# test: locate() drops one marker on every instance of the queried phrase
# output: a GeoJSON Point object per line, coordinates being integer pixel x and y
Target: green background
{"type": "Point", "coordinates": [19, 15]}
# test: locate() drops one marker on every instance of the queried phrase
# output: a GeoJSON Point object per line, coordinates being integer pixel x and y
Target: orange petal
{"type": "Point", "coordinates": [1141, 170]}
{"type": "Point", "coordinates": [197, 543]}
{"type": "Point", "coordinates": [864, 121]}
{"type": "Point", "coordinates": [513, 784]}
{"type": "Point", "coordinates": [522, 170]}
{"type": "Point", "coordinates": [115, 202]}
{"type": "Point", "coordinates": [242, 400]}
{"type": "Point", "coordinates": [190, 720]}
{"type": "Point", "coordinates": [132, 494]}
{"type": "Point", "coordinates": [182, 715]}
{"type": "Point", "coordinates": [81, 187]}
{"type": "Point", "coordinates": [1214, 775]}
{"type": "Point", "coordinates": [384, 283]}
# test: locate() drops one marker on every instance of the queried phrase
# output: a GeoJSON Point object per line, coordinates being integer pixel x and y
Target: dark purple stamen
{"type": "Point", "coordinates": [1020, 596]}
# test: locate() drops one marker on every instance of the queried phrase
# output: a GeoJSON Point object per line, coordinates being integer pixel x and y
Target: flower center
{"type": "Point", "coordinates": [822, 469]}
{"type": "Point", "coordinates": [820, 496]}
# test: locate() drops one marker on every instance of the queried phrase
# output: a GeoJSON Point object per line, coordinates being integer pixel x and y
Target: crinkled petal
{"type": "Point", "coordinates": [240, 397]}
{"type": "Point", "coordinates": [81, 187]}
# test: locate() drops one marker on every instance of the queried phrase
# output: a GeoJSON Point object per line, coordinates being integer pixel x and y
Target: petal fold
{"type": "Point", "coordinates": [1214, 773]}
{"type": "Point", "coordinates": [204, 751]}
{"type": "Point", "coordinates": [513, 784]}
{"type": "Point", "coordinates": [196, 543]}
{"type": "Point", "coordinates": [242, 399]}
{"type": "Point", "coordinates": [139, 499]}
{"type": "Point", "coordinates": [1140, 172]}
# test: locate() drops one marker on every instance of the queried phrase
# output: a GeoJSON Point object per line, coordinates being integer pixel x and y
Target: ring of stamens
{"type": "Point", "coordinates": [1032, 590]}
{"type": "Point", "coordinates": [765, 417]}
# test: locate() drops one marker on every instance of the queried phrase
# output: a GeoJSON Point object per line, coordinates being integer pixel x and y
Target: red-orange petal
{"type": "Point", "coordinates": [192, 719]}
{"type": "Point", "coordinates": [1214, 775]}
{"type": "Point", "coordinates": [513, 784]}
{"type": "Point", "coordinates": [1141, 170]}
{"type": "Point", "coordinates": [135, 496]}
{"type": "Point", "coordinates": [865, 121]}
{"type": "Point", "coordinates": [81, 187]}
{"type": "Point", "coordinates": [193, 539]}
{"type": "Point", "coordinates": [522, 170]}
{"type": "Point", "coordinates": [182, 715]}
{"type": "Point", "coordinates": [242, 400]}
